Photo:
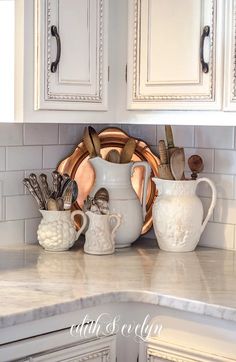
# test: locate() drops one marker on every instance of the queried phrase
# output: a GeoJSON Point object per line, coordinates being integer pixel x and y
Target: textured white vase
{"type": "Point", "coordinates": [100, 236]}
{"type": "Point", "coordinates": [56, 231]}
{"type": "Point", "coordinates": [178, 214]}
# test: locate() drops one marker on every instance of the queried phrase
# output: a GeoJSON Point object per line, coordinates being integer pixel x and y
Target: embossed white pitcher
{"type": "Point", "coordinates": [123, 200]}
{"type": "Point", "coordinates": [178, 214]}
{"type": "Point", "coordinates": [100, 236]}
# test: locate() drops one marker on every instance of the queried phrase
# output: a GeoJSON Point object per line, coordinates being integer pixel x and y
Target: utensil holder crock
{"type": "Point", "coordinates": [56, 231]}
{"type": "Point", "coordinates": [178, 214]}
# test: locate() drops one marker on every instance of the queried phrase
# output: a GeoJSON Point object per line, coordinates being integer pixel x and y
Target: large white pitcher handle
{"type": "Point", "coordinates": [213, 200]}
{"type": "Point", "coordinates": [84, 223]}
{"type": "Point", "coordinates": [145, 183]}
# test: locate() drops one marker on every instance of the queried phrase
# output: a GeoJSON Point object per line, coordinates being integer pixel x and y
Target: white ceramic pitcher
{"type": "Point", "coordinates": [123, 200]}
{"type": "Point", "coordinates": [100, 236]}
{"type": "Point", "coordinates": [178, 214]}
{"type": "Point", "coordinates": [56, 231]}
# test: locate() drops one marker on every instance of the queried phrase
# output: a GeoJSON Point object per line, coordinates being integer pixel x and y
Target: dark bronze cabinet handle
{"type": "Point", "coordinates": [205, 33]}
{"type": "Point", "coordinates": [54, 64]}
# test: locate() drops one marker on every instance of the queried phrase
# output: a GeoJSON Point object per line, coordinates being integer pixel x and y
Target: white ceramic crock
{"type": "Point", "coordinates": [123, 200]}
{"type": "Point", "coordinates": [178, 214]}
{"type": "Point", "coordinates": [100, 236]}
{"type": "Point", "coordinates": [56, 231]}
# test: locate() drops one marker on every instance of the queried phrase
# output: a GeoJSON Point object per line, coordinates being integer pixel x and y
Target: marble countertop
{"type": "Point", "coordinates": [35, 284]}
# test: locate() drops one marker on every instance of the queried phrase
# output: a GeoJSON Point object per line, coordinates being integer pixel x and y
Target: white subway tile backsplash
{"type": "Point", "coordinates": [225, 211]}
{"type": "Point", "coordinates": [214, 137]}
{"type": "Point", "coordinates": [206, 154]}
{"type": "Point", "coordinates": [31, 227]}
{"type": "Point", "coordinates": [206, 202]}
{"type": "Point", "coordinates": [52, 155]}
{"type": "Point", "coordinates": [12, 232]}
{"type": "Point", "coordinates": [225, 161]}
{"type": "Point", "coordinates": [2, 158]}
{"type": "Point", "coordinates": [144, 132]}
{"type": "Point", "coordinates": [11, 134]}
{"type": "Point", "coordinates": [12, 182]}
{"type": "Point", "coordinates": [224, 186]}
{"type": "Point", "coordinates": [183, 135]}
{"type": "Point", "coordinates": [218, 236]}
{"type": "Point", "coordinates": [21, 207]}
{"type": "Point", "coordinates": [23, 158]}
{"type": "Point", "coordinates": [70, 134]}
{"type": "Point", "coordinates": [35, 134]}
{"type": "Point", "coordinates": [39, 147]}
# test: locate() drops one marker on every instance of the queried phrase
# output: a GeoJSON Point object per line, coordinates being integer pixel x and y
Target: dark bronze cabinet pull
{"type": "Point", "coordinates": [54, 64]}
{"type": "Point", "coordinates": [205, 33]}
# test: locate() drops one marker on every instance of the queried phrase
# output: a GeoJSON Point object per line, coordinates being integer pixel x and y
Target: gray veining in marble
{"type": "Point", "coordinates": [35, 284]}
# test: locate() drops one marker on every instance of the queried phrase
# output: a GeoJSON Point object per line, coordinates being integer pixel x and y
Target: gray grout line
{"type": "Point", "coordinates": [234, 137]}
{"type": "Point", "coordinates": [214, 166]}
{"type": "Point", "coordinates": [23, 134]}
{"type": "Point", "coordinates": [194, 136]}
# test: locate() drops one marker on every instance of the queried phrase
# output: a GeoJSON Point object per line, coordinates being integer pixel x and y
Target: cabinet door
{"type": "Point", "coordinates": [94, 351]}
{"type": "Point", "coordinates": [160, 351]}
{"type": "Point", "coordinates": [71, 54]}
{"type": "Point", "coordinates": [230, 57]}
{"type": "Point", "coordinates": [167, 39]}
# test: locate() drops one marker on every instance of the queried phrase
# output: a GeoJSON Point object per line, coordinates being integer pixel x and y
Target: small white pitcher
{"type": "Point", "coordinates": [178, 214]}
{"type": "Point", "coordinates": [100, 236]}
{"type": "Point", "coordinates": [56, 231]}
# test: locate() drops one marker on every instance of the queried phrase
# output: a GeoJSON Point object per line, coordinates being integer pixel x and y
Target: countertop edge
{"type": "Point", "coordinates": [158, 299]}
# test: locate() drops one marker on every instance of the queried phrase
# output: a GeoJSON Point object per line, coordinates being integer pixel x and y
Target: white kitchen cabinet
{"type": "Point", "coordinates": [230, 57]}
{"type": "Point", "coordinates": [175, 54]}
{"type": "Point", "coordinates": [156, 350]}
{"type": "Point", "coordinates": [93, 351]}
{"type": "Point", "coordinates": [71, 62]}
{"type": "Point", "coordinates": [184, 337]}
{"type": "Point", "coordinates": [61, 346]}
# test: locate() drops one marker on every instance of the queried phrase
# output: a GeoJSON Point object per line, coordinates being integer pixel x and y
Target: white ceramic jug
{"type": "Point", "coordinates": [178, 214]}
{"type": "Point", "coordinates": [100, 236]}
{"type": "Point", "coordinates": [56, 231]}
{"type": "Point", "coordinates": [116, 178]}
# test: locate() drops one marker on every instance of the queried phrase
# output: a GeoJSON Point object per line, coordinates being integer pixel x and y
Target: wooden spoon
{"type": "Point", "coordinates": [196, 165]}
{"type": "Point", "coordinates": [95, 141]}
{"type": "Point", "coordinates": [177, 164]}
{"type": "Point", "coordinates": [89, 143]}
{"type": "Point", "coordinates": [164, 168]}
{"type": "Point", "coordinates": [170, 141]}
{"type": "Point", "coordinates": [128, 151]}
{"type": "Point", "coordinates": [113, 156]}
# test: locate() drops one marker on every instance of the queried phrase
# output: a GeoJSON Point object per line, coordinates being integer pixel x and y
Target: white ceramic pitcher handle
{"type": "Point", "coordinates": [145, 183]}
{"type": "Point", "coordinates": [117, 225]}
{"type": "Point", "coordinates": [84, 223]}
{"type": "Point", "coordinates": [213, 200]}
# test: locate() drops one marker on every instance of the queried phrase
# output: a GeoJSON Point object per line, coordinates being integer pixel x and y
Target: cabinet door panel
{"type": "Point", "coordinates": [167, 61]}
{"type": "Point", "coordinates": [162, 351]}
{"type": "Point", "coordinates": [165, 70]}
{"type": "Point", "coordinates": [80, 80]}
{"type": "Point", "coordinates": [94, 351]}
